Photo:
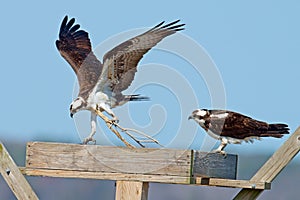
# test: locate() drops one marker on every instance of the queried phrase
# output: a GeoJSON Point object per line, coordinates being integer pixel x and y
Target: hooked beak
{"type": "Point", "coordinates": [190, 117]}
{"type": "Point", "coordinates": [71, 115]}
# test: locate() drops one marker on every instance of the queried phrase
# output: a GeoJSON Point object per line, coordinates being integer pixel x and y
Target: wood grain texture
{"type": "Point", "coordinates": [132, 190]}
{"type": "Point", "coordinates": [215, 165]}
{"type": "Point", "coordinates": [105, 176]}
{"type": "Point", "coordinates": [111, 159]}
{"type": "Point", "coordinates": [232, 183]}
{"type": "Point", "coordinates": [14, 178]}
{"type": "Point", "coordinates": [273, 166]}
{"type": "Point", "coordinates": [200, 181]}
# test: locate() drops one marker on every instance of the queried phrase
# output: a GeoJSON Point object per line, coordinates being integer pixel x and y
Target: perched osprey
{"type": "Point", "coordinates": [101, 84]}
{"type": "Point", "coordinates": [232, 127]}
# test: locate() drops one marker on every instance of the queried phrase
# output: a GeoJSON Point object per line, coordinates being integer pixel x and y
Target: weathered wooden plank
{"type": "Point", "coordinates": [13, 177]}
{"type": "Point", "coordinates": [273, 166]}
{"type": "Point", "coordinates": [108, 159]}
{"type": "Point", "coordinates": [201, 181]}
{"type": "Point", "coordinates": [215, 165]}
{"type": "Point", "coordinates": [166, 162]}
{"type": "Point", "coordinates": [105, 176]}
{"type": "Point", "coordinates": [132, 190]}
{"type": "Point", "coordinates": [232, 183]}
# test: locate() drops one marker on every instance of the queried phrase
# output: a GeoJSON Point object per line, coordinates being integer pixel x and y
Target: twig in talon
{"type": "Point", "coordinates": [121, 138]}
{"type": "Point", "coordinates": [151, 139]}
{"type": "Point", "coordinates": [109, 125]}
{"type": "Point", "coordinates": [127, 131]}
{"type": "Point", "coordinates": [132, 137]}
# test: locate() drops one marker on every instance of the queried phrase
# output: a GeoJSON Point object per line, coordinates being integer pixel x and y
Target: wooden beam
{"type": "Point", "coordinates": [13, 177]}
{"type": "Point", "coordinates": [111, 159]}
{"type": "Point", "coordinates": [273, 166]}
{"type": "Point", "coordinates": [232, 183]}
{"type": "Point", "coordinates": [200, 181]}
{"type": "Point", "coordinates": [132, 190]}
{"type": "Point", "coordinates": [105, 176]}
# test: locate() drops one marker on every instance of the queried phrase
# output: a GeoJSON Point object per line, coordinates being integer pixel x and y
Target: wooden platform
{"type": "Point", "coordinates": [161, 165]}
{"type": "Point", "coordinates": [144, 165]}
{"type": "Point", "coordinates": [134, 169]}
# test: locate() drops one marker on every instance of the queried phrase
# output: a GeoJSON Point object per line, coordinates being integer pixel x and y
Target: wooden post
{"type": "Point", "coordinates": [273, 166]}
{"type": "Point", "coordinates": [132, 190]}
{"type": "Point", "coordinates": [14, 178]}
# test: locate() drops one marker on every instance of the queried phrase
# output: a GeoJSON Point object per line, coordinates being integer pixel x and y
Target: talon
{"type": "Point", "coordinates": [115, 120]}
{"type": "Point", "coordinates": [222, 152]}
{"type": "Point", "coordinates": [89, 139]}
{"type": "Point", "coordinates": [110, 122]}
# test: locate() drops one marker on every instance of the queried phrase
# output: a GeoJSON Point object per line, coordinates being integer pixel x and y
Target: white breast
{"type": "Point", "coordinates": [101, 97]}
{"type": "Point", "coordinates": [98, 99]}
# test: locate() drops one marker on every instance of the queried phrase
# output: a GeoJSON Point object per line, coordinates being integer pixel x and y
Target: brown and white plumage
{"type": "Point", "coordinates": [101, 85]}
{"type": "Point", "coordinates": [233, 127]}
{"type": "Point", "coordinates": [75, 47]}
{"type": "Point", "coordinates": [123, 59]}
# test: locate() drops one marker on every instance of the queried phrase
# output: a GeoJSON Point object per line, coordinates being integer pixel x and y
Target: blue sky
{"type": "Point", "coordinates": [255, 48]}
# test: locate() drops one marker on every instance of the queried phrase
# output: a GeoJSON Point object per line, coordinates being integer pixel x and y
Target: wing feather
{"type": "Point", "coordinates": [75, 47]}
{"type": "Point", "coordinates": [121, 62]}
{"type": "Point", "coordinates": [239, 126]}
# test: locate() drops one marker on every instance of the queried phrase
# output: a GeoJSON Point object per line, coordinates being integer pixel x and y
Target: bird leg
{"type": "Point", "coordinates": [223, 144]}
{"type": "Point", "coordinates": [93, 130]}
{"type": "Point", "coordinates": [104, 107]}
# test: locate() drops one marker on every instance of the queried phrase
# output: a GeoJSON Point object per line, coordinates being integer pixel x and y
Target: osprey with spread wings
{"type": "Point", "coordinates": [101, 84]}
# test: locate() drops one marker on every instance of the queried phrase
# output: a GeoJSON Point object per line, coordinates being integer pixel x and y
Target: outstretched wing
{"type": "Point", "coordinates": [75, 47]}
{"type": "Point", "coordinates": [120, 63]}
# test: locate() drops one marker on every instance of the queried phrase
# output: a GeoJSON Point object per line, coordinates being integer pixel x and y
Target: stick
{"type": "Point", "coordinates": [127, 131]}
{"type": "Point", "coordinates": [151, 139]}
{"type": "Point", "coordinates": [109, 125]}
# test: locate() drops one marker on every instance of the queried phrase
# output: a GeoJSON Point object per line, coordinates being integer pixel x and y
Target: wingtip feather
{"type": "Point", "coordinates": [169, 25]}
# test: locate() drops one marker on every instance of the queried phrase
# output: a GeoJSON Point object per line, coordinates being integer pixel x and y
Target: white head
{"type": "Point", "coordinates": [199, 115]}
{"type": "Point", "coordinates": [77, 105]}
